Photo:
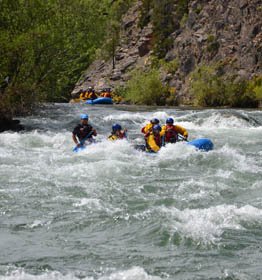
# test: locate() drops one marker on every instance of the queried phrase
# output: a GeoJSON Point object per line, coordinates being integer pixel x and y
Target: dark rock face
{"type": "Point", "coordinates": [226, 31]}
{"type": "Point", "coordinates": [134, 49]}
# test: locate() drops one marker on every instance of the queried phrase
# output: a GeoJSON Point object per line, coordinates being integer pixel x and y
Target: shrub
{"type": "Point", "coordinates": [169, 66]}
{"type": "Point", "coordinates": [146, 88]}
{"type": "Point", "coordinates": [255, 85]}
{"type": "Point", "coordinates": [211, 89]}
{"type": "Point", "coordinates": [207, 87]}
{"type": "Point", "coordinates": [17, 101]}
{"type": "Point", "coordinates": [212, 44]}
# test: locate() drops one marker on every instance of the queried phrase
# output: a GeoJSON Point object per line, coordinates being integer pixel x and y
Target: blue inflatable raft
{"type": "Point", "coordinates": [203, 144]}
{"type": "Point", "coordinates": [100, 100]}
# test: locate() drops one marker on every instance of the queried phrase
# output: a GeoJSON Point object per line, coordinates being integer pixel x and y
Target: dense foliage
{"type": "Point", "coordinates": [45, 45]}
{"type": "Point", "coordinates": [146, 88]}
{"type": "Point", "coordinates": [210, 88]}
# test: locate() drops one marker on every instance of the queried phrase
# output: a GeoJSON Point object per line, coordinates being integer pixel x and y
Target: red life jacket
{"type": "Point", "coordinates": [158, 140]}
{"type": "Point", "coordinates": [122, 135]}
{"type": "Point", "coordinates": [171, 135]}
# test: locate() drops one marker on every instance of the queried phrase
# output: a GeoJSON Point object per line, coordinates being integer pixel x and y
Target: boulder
{"type": "Point", "coordinates": [9, 124]}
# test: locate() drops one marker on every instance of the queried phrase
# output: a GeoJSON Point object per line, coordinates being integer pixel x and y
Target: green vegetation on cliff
{"type": "Point", "coordinates": [146, 88]}
{"type": "Point", "coordinates": [210, 87]}
{"type": "Point", "coordinates": [165, 16]}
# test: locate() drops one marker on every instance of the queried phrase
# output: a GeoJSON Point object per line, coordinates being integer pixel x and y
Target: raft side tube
{"type": "Point", "coordinates": [99, 100]}
{"type": "Point", "coordinates": [203, 144]}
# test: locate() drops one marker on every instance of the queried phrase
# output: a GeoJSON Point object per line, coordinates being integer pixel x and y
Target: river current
{"type": "Point", "coordinates": [114, 213]}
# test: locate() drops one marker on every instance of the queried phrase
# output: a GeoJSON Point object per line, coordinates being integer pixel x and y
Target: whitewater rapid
{"type": "Point", "coordinates": [111, 212]}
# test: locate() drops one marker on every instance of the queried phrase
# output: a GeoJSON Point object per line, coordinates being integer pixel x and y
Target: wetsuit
{"type": "Point", "coordinates": [82, 131]}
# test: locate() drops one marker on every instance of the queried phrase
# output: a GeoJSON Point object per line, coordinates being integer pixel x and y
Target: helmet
{"type": "Point", "coordinates": [157, 127]}
{"type": "Point", "coordinates": [116, 127]}
{"type": "Point", "coordinates": [84, 117]}
{"type": "Point", "coordinates": [170, 120]}
{"type": "Point", "coordinates": [155, 121]}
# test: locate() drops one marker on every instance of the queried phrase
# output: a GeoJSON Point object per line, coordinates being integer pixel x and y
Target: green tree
{"type": "Point", "coordinates": [163, 26]}
{"type": "Point", "coordinates": [45, 45]}
{"type": "Point", "coordinates": [144, 19]}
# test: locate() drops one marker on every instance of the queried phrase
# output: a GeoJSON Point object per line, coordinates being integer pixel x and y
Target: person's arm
{"type": "Point", "coordinates": [152, 144]}
{"type": "Point", "coordinates": [147, 128]}
{"type": "Point", "coordinates": [181, 130]}
{"type": "Point", "coordinates": [75, 139]}
{"type": "Point", "coordinates": [163, 131]}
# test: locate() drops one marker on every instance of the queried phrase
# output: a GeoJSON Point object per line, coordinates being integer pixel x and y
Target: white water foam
{"type": "Point", "coordinates": [215, 121]}
{"type": "Point", "coordinates": [134, 273]}
{"type": "Point", "coordinates": [207, 225]}
{"type": "Point", "coordinates": [137, 117]}
{"type": "Point", "coordinates": [236, 158]}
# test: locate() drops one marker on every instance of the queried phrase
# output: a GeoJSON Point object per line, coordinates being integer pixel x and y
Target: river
{"type": "Point", "coordinates": [114, 213]}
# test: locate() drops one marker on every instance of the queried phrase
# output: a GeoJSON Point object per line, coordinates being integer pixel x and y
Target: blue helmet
{"type": "Point", "coordinates": [157, 127]}
{"type": "Point", "coordinates": [116, 127]}
{"type": "Point", "coordinates": [170, 120]}
{"type": "Point", "coordinates": [84, 117]}
{"type": "Point", "coordinates": [155, 121]}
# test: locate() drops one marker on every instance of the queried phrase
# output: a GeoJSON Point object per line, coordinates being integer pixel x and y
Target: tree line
{"type": "Point", "coordinates": [46, 45]}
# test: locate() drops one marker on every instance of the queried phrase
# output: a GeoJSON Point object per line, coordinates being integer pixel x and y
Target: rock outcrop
{"type": "Point", "coordinates": [225, 31]}
{"type": "Point", "coordinates": [9, 124]}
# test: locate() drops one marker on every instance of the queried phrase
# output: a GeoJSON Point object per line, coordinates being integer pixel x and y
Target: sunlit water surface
{"type": "Point", "coordinates": [113, 213]}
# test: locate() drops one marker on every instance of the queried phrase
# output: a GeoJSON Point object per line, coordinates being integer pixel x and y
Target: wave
{"type": "Point", "coordinates": [208, 225]}
{"type": "Point", "coordinates": [134, 273]}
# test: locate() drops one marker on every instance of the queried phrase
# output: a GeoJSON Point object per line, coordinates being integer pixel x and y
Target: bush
{"type": "Point", "coordinates": [211, 89]}
{"type": "Point", "coordinates": [169, 66]}
{"type": "Point", "coordinates": [255, 85]}
{"type": "Point", "coordinates": [207, 87]}
{"type": "Point", "coordinates": [146, 88]}
{"type": "Point", "coordinates": [17, 101]}
{"type": "Point", "coordinates": [238, 95]}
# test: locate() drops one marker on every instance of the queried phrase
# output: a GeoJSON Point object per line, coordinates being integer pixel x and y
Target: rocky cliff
{"type": "Point", "coordinates": [225, 31]}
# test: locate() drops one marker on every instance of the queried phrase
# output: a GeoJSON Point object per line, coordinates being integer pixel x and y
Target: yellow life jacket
{"type": "Point", "coordinates": [112, 137]}
{"type": "Point", "coordinates": [152, 144]}
{"type": "Point", "coordinates": [82, 95]}
{"type": "Point", "coordinates": [148, 127]}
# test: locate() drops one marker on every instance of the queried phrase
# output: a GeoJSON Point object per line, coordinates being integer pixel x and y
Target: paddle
{"type": "Point", "coordinates": [82, 142]}
{"type": "Point", "coordinates": [182, 138]}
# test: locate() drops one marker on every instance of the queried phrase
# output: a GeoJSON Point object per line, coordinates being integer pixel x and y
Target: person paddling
{"type": "Point", "coordinates": [117, 132]}
{"type": "Point", "coordinates": [171, 132]}
{"type": "Point", "coordinates": [153, 139]}
{"type": "Point", "coordinates": [83, 131]}
{"type": "Point", "coordinates": [148, 127]}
